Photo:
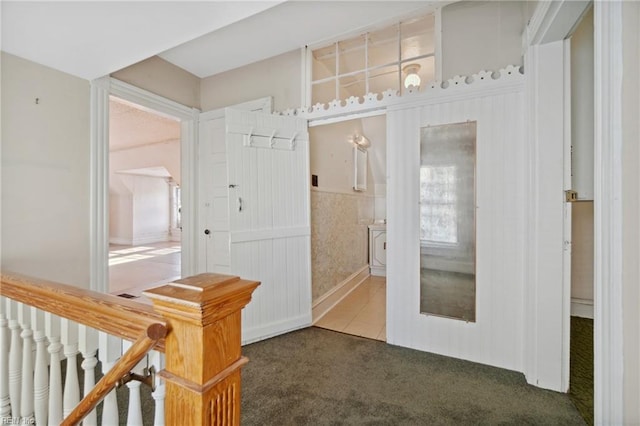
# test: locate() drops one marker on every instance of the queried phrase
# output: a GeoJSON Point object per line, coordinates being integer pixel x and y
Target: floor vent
{"type": "Point", "coordinates": [127, 296]}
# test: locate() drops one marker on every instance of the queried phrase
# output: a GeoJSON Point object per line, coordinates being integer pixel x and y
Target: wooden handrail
{"type": "Point", "coordinates": [140, 348]}
{"type": "Point", "coordinates": [198, 319]}
{"type": "Point", "coordinates": [114, 315]}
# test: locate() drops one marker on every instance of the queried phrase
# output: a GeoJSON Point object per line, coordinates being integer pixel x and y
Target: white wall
{"type": "Point", "coordinates": [150, 209]}
{"type": "Point", "coordinates": [166, 154]}
{"type": "Point", "coordinates": [631, 210]}
{"type": "Point", "coordinates": [45, 172]}
{"type": "Point", "coordinates": [582, 107]}
{"type": "Point", "coordinates": [331, 156]}
{"type": "Point", "coordinates": [125, 196]}
{"type": "Point", "coordinates": [482, 35]}
{"type": "Point", "coordinates": [582, 129]}
{"type": "Point", "coordinates": [163, 78]}
{"type": "Point", "coordinates": [278, 77]}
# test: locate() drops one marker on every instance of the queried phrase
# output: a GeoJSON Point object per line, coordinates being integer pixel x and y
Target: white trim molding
{"type": "Point", "coordinates": [554, 20]}
{"type": "Point", "coordinates": [582, 308]}
{"type": "Point", "coordinates": [456, 88]}
{"type": "Point", "coordinates": [608, 302]}
{"type": "Point", "coordinates": [331, 298]}
{"type": "Point", "coordinates": [101, 89]}
{"type": "Point", "coordinates": [99, 186]}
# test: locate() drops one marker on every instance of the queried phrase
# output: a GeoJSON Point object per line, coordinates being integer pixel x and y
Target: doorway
{"type": "Point", "coordinates": [144, 198]}
{"type": "Point", "coordinates": [348, 212]}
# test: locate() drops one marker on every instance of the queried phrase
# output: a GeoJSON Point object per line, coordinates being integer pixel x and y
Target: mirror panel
{"type": "Point", "coordinates": [447, 221]}
{"type": "Point", "coordinates": [360, 168]}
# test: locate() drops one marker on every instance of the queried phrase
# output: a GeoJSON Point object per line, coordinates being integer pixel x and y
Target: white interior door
{"type": "Point", "coordinates": [269, 218]}
{"type": "Point", "coordinates": [213, 250]}
{"type": "Point", "coordinates": [213, 188]}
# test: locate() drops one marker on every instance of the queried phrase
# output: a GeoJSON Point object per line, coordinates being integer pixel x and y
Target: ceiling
{"type": "Point", "coordinates": [90, 39]}
{"type": "Point", "coordinates": [131, 127]}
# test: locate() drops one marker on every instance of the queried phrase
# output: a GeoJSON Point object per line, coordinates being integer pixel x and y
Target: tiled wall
{"type": "Point", "coordinates": [339, 237]}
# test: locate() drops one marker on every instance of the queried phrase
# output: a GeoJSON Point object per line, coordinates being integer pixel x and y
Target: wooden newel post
{"type": "Point", "coordinates": [202, 348]}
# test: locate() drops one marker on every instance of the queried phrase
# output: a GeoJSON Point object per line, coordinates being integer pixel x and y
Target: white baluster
{"type": "Point", "coordinates": [157, 360]}
{"type": "Point", "coordinates": [26, 399]}
{"type": "Point", "coordinates": [158, 396]}
{"type": "Point", "coordinates": [40, 370]}
{"type": "Point", "coordinates": [88, 349]}
{"type": "Point", "coordinates": [134, 416]}
{"type": "Point", "coordinates": [41, 381]}
{"type": "Point", "coordinates": [26, 391]}
{"type": "Point", "coordinates": [110, 402]}
{"type": "Point", "coordinates": [15, 367]}
{"type": "Point", "coordinates": [110, 350]}
{"type": "Point", "coordinates": [52, 328]}
{"type": "Point", "coordinates": [71, 393]}
{"type": "Point", "coordinates": [5, 404]}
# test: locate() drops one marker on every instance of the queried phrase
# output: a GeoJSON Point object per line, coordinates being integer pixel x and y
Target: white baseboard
{"type": "Point", "coordinates": [327, 301]}
{"type": "Point", "coordinates": [262, 332]}
{"type": "Point", "coordinates": [581, 308]}
{"type": "Point", "coordinates": [160, 237]}
{"type": "Point", "coordinates": [147, 239]}
{"type": "Point", "coordinates": [175, 234]}
{"type": "Point", "coordinates": [121, 241]}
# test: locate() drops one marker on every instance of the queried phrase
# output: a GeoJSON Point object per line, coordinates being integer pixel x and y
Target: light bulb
{"type": "Point", "coordinates": [412, 78]}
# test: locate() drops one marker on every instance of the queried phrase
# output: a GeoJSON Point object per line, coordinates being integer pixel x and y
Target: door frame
{"type": "Point", "coordinates": [101, 89]}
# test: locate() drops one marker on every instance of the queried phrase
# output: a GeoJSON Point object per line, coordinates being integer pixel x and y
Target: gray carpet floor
{"type": "Point", "coordinates": [581, 370]}
{"type": "Point", "coordinates": [320, 377]}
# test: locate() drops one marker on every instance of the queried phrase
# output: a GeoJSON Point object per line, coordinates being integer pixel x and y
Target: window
{"type": "Point", "coordinates": [438, 215]}
{"type": "Point", "coordinates": [176, 214]}
{"type": "Point", "coordinates": [374, 62]}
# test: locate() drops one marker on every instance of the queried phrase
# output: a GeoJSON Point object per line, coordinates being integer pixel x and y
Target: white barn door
{"type": "Point", "coordinates": [269, 218]}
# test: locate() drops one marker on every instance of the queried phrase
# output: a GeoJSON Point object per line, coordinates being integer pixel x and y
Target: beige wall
{"type": "Point", "coordinates": [582, 250]}
{"type": "Point", "coordinates": [631, 210]}
{"type": "Point", "coordinates": [482, 36]}
{"type": "Point", "coordinates": [278, 77]}
{"type": "Point", "coordinates": [331, 156]}
{"type": "Point", "coordinates": [45, 172]}
{"type": "Point", "coordinates": [163, 78]}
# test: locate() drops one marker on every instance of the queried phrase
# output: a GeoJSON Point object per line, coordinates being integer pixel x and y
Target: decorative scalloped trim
{"type": "Point", "coordinates": [377, 100]}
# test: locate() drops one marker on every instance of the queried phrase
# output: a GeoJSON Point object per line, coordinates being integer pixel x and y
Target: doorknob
{"type": "Point", "coordinates": [207, 232]}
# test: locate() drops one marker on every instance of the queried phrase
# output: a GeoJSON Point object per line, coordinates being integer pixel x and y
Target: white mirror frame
{"type": "Point", "coordinates": [359, 169]}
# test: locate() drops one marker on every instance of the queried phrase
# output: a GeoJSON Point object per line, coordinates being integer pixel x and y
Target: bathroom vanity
{"type": "Point", "coordinates": [378, 249]}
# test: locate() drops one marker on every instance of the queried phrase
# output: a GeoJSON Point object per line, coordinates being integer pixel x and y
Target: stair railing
{"type": "Point", "coordinates": [195, 322]}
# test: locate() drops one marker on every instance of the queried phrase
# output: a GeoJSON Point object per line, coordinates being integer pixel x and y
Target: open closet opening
{"type": "Point", "coordinates": [348, 226]}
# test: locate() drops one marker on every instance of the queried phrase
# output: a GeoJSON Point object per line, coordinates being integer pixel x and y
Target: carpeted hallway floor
{"type": "Point", "coordinates": [320, 377]}
{"type": "Point", "coordinates": [581, 369]}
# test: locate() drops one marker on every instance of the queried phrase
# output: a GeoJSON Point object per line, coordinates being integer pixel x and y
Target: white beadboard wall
{"type": "Point", "coordinates": [270, 237]}
{"type": "Point", "coordinates": [496, 336]}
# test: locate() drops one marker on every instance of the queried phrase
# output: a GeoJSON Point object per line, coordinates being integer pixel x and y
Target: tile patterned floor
{"type": "Point", "coordinates": [134, 269]}
{"type": "Point", "coordinates": [361, 313]}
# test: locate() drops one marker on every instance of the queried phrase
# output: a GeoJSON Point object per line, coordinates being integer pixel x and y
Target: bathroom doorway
{"type": "Point", "coordinates": [347, 297]}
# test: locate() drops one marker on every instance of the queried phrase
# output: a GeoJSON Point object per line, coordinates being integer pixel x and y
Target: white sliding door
{"type": "Point", "coordinates": [490, 330]}
{"type": "Point", "coordinates": [269, 218]}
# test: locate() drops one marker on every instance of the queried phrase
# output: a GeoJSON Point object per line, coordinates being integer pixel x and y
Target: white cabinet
{"type": "Point", "coordinates": [378, 250]}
